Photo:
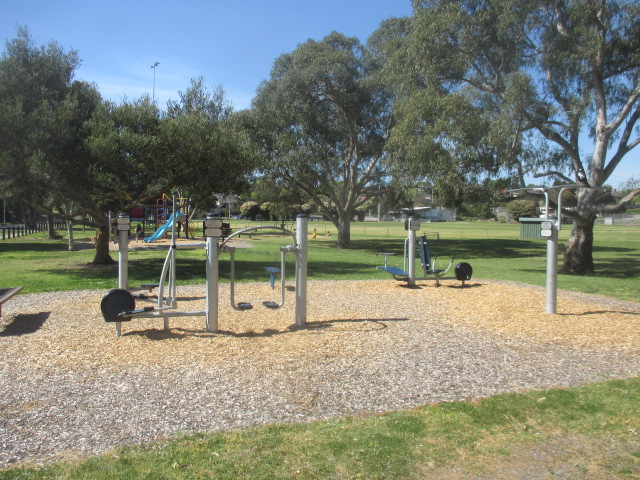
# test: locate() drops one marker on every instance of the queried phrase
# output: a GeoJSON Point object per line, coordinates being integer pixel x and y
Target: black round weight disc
{"type": "Point", "coordinates": [114, 302]}
{"type": "Point", "coordinates": [463, 271]}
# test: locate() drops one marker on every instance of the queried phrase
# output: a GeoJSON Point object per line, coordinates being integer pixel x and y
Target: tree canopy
{"type": "Point", "coordinates": [518, 86]}
{"type": "Point", "coordinates": [323, 120]}
{"type": "Point", "coordinates": [64, 150]}
{"type": "Point", "coordinates": [42, 110]}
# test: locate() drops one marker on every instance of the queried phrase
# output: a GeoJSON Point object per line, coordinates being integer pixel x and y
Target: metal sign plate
{"type": "Point", "coordinates": [123, 220]}
{"type": "Point", "coordinates": [546, 229]}
{"type": "Point", "coordinates": [546, 225]}
{"type": "Point", "coordinates": [212, 232]}
{"type": "Point", "coordinates": [217, 223]}
{"type": "Point", "coordinates": [414, 224]}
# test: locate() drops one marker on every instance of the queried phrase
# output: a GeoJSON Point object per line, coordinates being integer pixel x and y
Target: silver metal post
{"type": "Point", "coordinates": [552, 254]}
{"type": "Point", "coordinates": [412, 250]}
{"type": "Point", "coordinates": [302, 241]}
{"type": "Point", "coordinates": [171, 287]}
{"type": "Point", "coordinates": [552, 270]}
{"type": "Point", "coordinates": [154, 66]}
{"type": "Point", "coordinates": [122, 226]}
{"type": "Point", "coordinates": [213, 273]}
{"type": "Point", "coordinates": [172, 270]}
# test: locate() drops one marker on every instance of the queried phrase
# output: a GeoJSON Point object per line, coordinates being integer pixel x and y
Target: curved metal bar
{"type": "Point", "coordinates": [242, 306]}
{"type": "Point", "coordinates": [251, 229]}
{"type": "Point", "coordinates": [163, 275]}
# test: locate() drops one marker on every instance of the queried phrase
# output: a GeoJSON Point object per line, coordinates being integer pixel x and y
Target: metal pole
{"type": "Point", "coordinates": [552, 270]}
{"type": "Point", "coordinates": [122, 227]}
{"type": "Point", "coordinates": [302, 226]}
{"type": "Point", "coordinates": [412, 251]}
{"type": "Point", "coordinates": [123, 250]}
{"type": "Point", "coordinates": [212, 280]}
{"type": "Point", "coordinates": [154, 79]}
{"type": "Point", "coordinates": [171, 287]}
{"type": "Point", "coordinates": [552, 253]}
{"type": "Point", "coordinates": [172, 270]}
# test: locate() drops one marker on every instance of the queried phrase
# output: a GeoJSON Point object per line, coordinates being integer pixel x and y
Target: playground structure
{"type": "Point", "coordinates": [119, 305]}
{"type": "Point", "coordinates": [179, 213]}
{"type": "Point", "coordinates": [463, 270]}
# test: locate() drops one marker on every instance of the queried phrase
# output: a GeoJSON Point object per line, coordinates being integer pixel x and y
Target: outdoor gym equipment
{"type": "Point", "coordinates": [463, 270]}
{"type": "Point", "coordinates": [549, 229]}
{"type": "Point", "coordinates": [118, 305]}
{"type": "Point", "coordinates": [283, 251]}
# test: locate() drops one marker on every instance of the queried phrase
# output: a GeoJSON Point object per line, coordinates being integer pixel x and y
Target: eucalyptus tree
{"type": "Point", "coordinates": [324, 120]}
{"type": "Point", "coordinates": [207, 148]}
{"type": "Point", "coordinates": [42, 110]}
{"type": "Point", "coordinates": [284, 202]}
{"type": "Point", "coordinates": [542, 76]}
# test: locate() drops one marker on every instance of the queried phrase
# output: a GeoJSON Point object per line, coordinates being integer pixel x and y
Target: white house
{"type": "Point", "coordinates": [436, 214]}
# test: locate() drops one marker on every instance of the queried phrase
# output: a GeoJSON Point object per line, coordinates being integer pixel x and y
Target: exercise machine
{"type": "Point", "coordinates": [463, 270]}
{"type": "Point", "coordinates": [119, 305]}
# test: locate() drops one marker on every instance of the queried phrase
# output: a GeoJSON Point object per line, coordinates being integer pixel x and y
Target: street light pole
{"type": "Point", "coordinates": [154, 79]}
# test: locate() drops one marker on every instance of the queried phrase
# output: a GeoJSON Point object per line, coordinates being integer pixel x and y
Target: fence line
{"type": "Point", "coordinates": [15, 231]}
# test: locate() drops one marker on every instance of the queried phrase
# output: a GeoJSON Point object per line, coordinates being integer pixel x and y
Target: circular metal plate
{"type": "Point", "coordinates": [463, 271]}
{"type": "Point", "coordinates": [114, 302]}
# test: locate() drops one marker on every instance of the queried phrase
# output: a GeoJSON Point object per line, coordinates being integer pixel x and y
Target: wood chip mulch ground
{"type": "Point", "coordinates": [71, 389]}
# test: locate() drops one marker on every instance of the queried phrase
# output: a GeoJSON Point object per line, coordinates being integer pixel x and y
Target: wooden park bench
{"type": "Point", "coordinates": [6, 294]}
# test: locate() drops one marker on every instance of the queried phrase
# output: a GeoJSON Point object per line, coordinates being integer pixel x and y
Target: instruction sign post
{"type": "Point", "coordinates": [549, 229]}
{"type": "Point", "coordinates": [213, 227]}
{"type": "Point", "coordinates": [212, 232]}
{"type": "Point", "coordinates": [123, 224]}
{"type": "Point", "coordinates": [551, 233]}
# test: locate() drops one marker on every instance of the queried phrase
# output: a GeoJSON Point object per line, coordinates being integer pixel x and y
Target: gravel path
{"type": "Point", "coordinates": [71, 389]}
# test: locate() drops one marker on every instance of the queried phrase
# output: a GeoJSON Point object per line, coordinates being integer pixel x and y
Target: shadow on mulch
{"type": "Point", "coordinates": [25, 324]}
{"type": "Point", "coordinates": [366, 324]}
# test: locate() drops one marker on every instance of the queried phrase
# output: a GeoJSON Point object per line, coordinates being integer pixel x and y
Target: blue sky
{"type": "Point", "coordinates": [232, 43]}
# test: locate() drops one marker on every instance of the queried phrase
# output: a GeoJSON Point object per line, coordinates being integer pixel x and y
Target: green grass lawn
{"type": "Point", "coordinates": [493, 249]}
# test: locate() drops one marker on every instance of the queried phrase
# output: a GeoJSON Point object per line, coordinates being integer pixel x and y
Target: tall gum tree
{"type": "Point", "coordinates": [41, 110]}
{"type": "Point", "coordinates": [564, 72]}
{"type": "Point", "coordinates": [324, 121]}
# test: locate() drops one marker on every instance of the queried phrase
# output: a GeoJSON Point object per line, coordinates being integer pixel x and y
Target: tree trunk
{"type": "Point", "coordinates": [102, 256]}
{"type": "Point", "coordinates": [70, 234]}
{"type": "Point", "coordinates": [51, 229]}
{"type": "Point", "coordinates": [578, 254]}
{"type": "Point", "coordinates": [344, 233]}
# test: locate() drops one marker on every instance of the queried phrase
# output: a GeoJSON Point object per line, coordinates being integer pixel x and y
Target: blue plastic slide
{"type": "Point", "coordinates": [161, 231]}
